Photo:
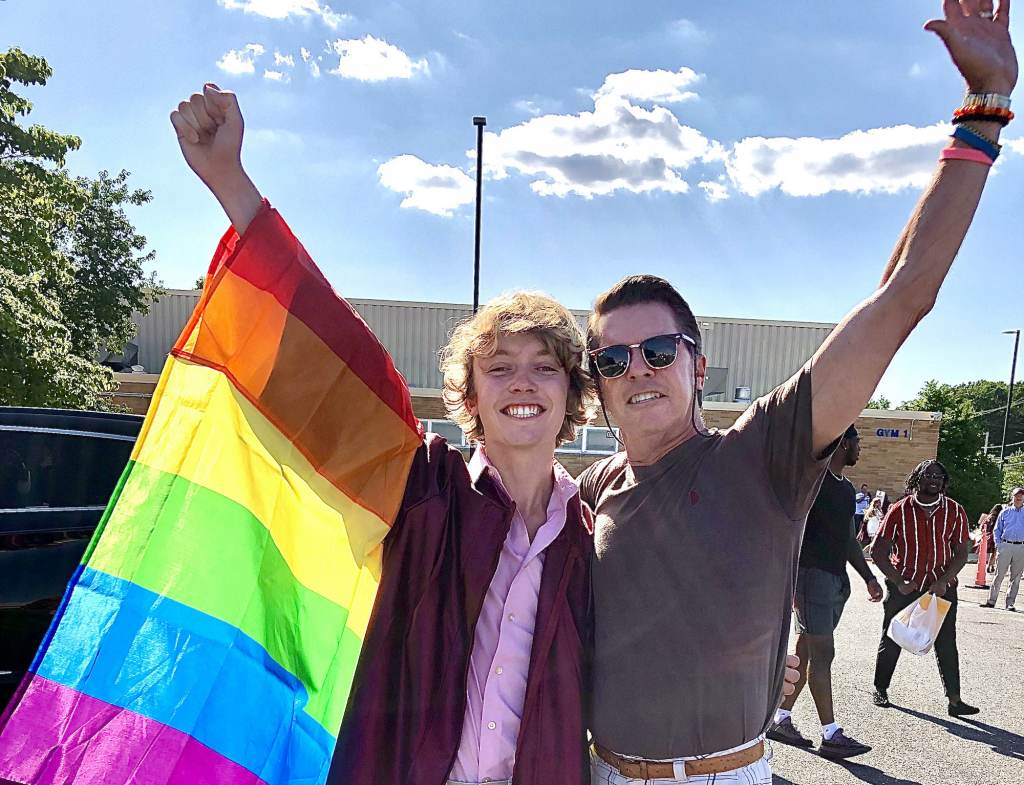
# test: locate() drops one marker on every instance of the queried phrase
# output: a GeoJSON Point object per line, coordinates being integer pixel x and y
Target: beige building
{"type": "Point", "coordinates": [746, 359]}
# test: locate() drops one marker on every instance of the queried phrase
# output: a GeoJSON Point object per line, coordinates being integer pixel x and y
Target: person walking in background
{"type": "Point", "coordinates": [873, 521]}
{"type": "Point", "coordinates": [988, 526]}
{"type": "Point", "coordinates": [922, 546]}
{"type": "Point", "coordinates": [1008, 534]}
{"type": "Point", "coordinates": [863, 500]}
{"type": "Point", "coordinates": [822, 589]}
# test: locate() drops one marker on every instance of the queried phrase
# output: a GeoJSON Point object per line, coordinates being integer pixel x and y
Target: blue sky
{"type": "Point", "coordinates": [763, 157]}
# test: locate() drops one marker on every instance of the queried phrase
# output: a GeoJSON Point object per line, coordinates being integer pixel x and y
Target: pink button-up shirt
{"type": "Point", "coordinates": [498, 666]}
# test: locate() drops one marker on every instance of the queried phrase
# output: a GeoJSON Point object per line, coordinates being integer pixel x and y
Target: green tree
{"type": "Point", "coordinates": [1013, 476]}
{"type": "Point", "coordinates": [881, 402]}
{"type": "Point", "coordinates": [109, 280]}
{"type": "Point", "coordinates": [70, 261]}
{"type": "Point", "coordinates": [974, 477]}
{"type": "Point", "coordinates": [989, 399]}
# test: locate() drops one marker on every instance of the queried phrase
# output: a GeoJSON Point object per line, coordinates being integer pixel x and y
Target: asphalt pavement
{"type": "Point", "coordinates": [915, 742]}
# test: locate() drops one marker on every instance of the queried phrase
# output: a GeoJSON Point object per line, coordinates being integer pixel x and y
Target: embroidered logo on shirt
{"type": "Point", "coordinates": [694, 498]}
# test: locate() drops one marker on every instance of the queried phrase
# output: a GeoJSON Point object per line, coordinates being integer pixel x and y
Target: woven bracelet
{"type": "Point", "coordinates": [967, 136]}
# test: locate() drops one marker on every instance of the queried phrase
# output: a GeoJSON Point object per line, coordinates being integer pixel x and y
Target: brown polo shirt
{"type": "Point", "coordinates": [695, 563]}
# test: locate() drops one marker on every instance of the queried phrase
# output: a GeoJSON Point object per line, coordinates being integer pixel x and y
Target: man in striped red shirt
{"type": "Point", "coordinates": [921, 547]}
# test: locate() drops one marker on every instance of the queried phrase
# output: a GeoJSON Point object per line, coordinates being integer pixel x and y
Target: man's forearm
{"type": "Point", "coordinates": [880, 553]}
{"type": "Point", "coordinates": [855, 556]}
{"type": "Point", "coordinates": [936, 229]}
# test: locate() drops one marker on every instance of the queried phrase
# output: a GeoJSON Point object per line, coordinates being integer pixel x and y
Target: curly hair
{"type": "Point", "coordinates": [533, 313]}
{"type": "Point", "coordinates": [914, 478]}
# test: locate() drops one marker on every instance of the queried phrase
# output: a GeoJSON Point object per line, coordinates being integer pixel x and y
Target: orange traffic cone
{"type": "Point", "coordinates": [979, 578]}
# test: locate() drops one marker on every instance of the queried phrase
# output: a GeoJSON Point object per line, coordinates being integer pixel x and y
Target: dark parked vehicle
{"type": "Point", "coordinates": [57, 471]}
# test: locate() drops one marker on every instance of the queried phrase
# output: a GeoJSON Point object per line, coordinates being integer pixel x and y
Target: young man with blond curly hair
{"type": "Point", "coordinates": [474, 664]}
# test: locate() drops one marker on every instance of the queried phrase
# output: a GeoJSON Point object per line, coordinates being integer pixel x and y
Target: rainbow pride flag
{"type": "Point", "coordinates": [211, 632]}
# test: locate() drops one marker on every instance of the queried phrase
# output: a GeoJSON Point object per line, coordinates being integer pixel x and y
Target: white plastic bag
{"type": "Point", "coordinates": [917, 626]}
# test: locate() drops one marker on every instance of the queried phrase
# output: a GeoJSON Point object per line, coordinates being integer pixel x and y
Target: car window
{"type": "Point", "coordinates": [41, 468]}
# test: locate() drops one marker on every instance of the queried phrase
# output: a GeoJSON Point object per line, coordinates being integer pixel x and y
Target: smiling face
{"type": "Point", "coordinates": [932, 480]}
{"type": "Point", "coordinates": [650, 405]}
{"type": "Point", "coordinates": [519, 394]}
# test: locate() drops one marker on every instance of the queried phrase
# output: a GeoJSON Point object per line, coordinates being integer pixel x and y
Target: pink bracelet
{"type": "Point", "coordinates": [963, 154]}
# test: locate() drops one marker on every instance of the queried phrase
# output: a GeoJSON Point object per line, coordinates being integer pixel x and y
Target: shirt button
{"type": "Point", "coordinates": [512, 617]}
{"type": "Point", "coordinates": [491, 725]}
{"type": "Point", "coordinates": [498, 670]}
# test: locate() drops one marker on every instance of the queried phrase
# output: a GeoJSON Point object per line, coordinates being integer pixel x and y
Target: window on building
{"type": "Point", "coordinates": [450, 431]}
{"type": "Point", "coordinates": [600, 440]}
{"type": "Point", "coordinates": [574, 446]}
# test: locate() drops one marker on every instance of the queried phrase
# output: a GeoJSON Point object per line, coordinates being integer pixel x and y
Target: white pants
{"type": "Point", "coordinates": [757, 773]}
{"type": "Point", "coordinates": [1011, 558]}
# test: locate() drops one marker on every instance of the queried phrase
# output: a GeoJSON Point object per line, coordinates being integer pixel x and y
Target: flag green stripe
{"type": "Point", "coordinates": [183, 541]}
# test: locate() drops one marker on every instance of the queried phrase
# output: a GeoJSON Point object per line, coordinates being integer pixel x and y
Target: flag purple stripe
{"type": "Point", "coordinates": [62, 737]}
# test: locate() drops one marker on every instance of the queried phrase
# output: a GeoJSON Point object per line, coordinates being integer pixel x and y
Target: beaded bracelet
{"type": "Point", "coordinates": [972, 138]}
{"type": "Point", "coordinates": [989, 100]}
{"type": "Point", "coordinates": [1001, 116]}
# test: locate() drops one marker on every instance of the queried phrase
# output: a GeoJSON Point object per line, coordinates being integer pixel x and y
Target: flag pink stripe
{"type": "Point", "coordinates": [58, 735]}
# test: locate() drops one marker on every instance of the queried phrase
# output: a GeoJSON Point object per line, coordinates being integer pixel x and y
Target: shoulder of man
{"type": "Point", "coordinates": [593, 480]}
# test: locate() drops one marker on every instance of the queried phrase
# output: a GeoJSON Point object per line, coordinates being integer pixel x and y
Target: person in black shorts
{"type": "Point", "coordinates": [822, 589]}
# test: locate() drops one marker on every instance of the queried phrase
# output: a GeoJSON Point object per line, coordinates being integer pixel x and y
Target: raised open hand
{"type": "Point", "coordinates": [978, 40]}
{"type": "Point", "coordinates": [209, 127]}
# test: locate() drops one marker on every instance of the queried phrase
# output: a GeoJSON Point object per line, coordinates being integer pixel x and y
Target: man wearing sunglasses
{"type": "Point", "coordinates": [697, 533]}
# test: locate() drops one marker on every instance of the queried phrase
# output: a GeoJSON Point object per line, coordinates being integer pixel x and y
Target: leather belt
{"type": "Point", "coordinates": [662, 770]}
{"type": "Point", "coordinates": [1014, 542]}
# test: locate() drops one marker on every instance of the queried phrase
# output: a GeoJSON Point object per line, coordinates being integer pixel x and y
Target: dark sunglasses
{"type": "Point", "coordinates": [658, 352]}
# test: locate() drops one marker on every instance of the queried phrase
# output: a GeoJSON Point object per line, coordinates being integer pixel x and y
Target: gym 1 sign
{"type": "Point", "coordinates": [895, 433]}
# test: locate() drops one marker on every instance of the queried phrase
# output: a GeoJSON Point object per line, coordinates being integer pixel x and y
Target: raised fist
{"type": "Point", "coordinates": [209, 127]}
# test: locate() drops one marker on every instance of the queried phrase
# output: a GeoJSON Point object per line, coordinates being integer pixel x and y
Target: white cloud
{"type": "Point", "coordinates": [241, 61]}
{"type": "Point", "coordinates": [650, 86]}
{"type": "Point", "coordinates": [307, 57]}
{"type": "Point", "coordinates": [714, 191]}
{"type": "Point", "coordinates": [282, 9]}
{"type": "Point", "coordinates": [618, 146]}
{"type": "Point", "coordinates": [286, 60]}
{"type": "Point", "coordinates": [435, 188]}
{"type": "Point", "coordinates": [529, 107]}
{"type": "Point", "coordinates": [370, 59]}
{"type": "Point", "coordinates": [276, 76]}
{"type": "Point", "coordinates": [623, 146]}
{"type": "Point", "coordinates": [333, 19]}
{"type": "Point", "coordinates": [1016, 145]}
{"type": "Point", "coordinates": [878, 160]}
{"type": "Point", "coordinates": [916, 71]}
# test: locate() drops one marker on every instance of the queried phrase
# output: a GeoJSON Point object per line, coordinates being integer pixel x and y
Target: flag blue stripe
{"type": "Point", "coordinates": [132, 648]}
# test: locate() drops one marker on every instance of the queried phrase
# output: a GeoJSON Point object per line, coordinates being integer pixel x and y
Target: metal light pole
{"type": "Point", "coordinates": [479, 122]}
{"type": "Point", "coordinates": [1009, 401]}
